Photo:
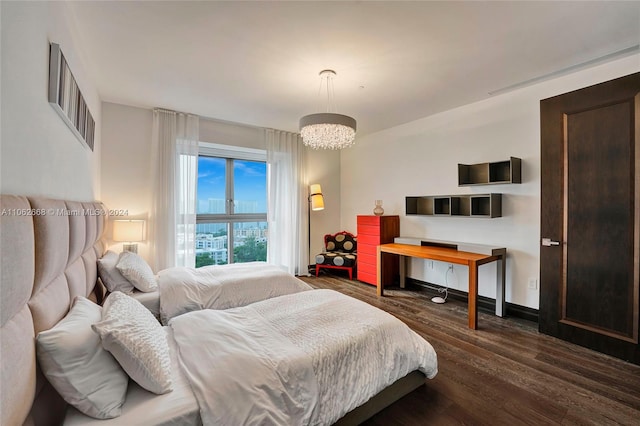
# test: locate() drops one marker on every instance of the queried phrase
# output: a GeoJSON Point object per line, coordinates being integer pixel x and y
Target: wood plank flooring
{"type": "Point", "coordinates": [504, 373]}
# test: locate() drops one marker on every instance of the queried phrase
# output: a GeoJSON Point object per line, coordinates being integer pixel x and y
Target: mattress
{"type": "Point", "coordinates": [178, 407]}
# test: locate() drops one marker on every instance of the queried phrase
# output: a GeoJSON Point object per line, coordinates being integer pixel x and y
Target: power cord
{"type": "Point", "coordinates": [445, 290]}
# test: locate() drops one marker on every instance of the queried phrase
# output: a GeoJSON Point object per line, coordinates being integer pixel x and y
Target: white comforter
{"type": "Point", "coordinates": [305, 358]}
{"type": "Point", "coordinates": [222, 287]}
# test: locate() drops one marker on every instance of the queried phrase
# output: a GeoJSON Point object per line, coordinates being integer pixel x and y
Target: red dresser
{"type": "Point", "coordinates": [373, 231]}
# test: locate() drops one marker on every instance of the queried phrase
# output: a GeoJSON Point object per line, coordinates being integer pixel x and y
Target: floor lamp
{"type": "Point", "coordinates": [316, 202]}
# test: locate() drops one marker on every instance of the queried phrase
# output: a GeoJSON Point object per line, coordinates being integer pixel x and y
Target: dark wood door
{"type": "Point", "coordinates": [590, 221]}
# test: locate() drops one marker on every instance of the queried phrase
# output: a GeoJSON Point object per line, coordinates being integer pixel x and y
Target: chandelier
{"type": "Point", "coordinates": [328, 130]}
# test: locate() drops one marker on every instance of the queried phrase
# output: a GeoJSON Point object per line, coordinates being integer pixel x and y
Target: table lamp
{"type": "Point", "coordinates": [129, 231]}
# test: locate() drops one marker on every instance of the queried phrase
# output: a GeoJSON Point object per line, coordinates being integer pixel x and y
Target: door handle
{"type": "Point", "coordinates": [548, 242]}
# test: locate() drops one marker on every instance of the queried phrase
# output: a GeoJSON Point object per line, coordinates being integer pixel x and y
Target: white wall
{"type": "Point", "coordinates": [39, 154]}
{"type": "Point", "coordinates": [226, 133]}
{"type": "Point", "coordinates": [421, 157]}
{"type": "Point", "coordinates": [126, 166]}
{"type": "Point", "coordinates": [323, 167]}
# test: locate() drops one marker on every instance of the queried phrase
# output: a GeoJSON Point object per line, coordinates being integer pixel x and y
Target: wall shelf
{"type": "Point", "coordinates": [472, 205]}
{"type": "Point", "coordinates": [498, 172]}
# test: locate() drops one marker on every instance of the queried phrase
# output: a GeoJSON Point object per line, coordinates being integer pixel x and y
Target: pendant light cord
{"type": "Point", "coordinates": [326, 84]}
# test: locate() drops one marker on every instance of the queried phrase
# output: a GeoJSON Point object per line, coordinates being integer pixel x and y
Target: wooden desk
{"type": "Point", "coordinates": [450, 255]}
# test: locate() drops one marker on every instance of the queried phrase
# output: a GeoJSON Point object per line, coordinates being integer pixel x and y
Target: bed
{"type": "Point", "coordinates": [183, 289]}
{"type": "Point", "coordinates": [49, 263]}
{"type": "Point", "coordinates": [177, 290]}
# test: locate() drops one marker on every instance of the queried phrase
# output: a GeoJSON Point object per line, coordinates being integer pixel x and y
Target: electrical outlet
{"type": "Point", "coordinates": [430, 264]}
{"type": "Point", "coordinates": [533, 283]}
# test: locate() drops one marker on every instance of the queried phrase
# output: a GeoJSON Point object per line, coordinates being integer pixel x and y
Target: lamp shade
{"type": "Point", "coordinates": [316, 197]}
{"type": "Point", "coordinates": [328, 130]}
{"type": "Point", "coordinates": [128, 230]}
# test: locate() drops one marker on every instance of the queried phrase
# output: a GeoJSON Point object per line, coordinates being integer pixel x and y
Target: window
{"type": "Point", "coordinates": [232, 205]}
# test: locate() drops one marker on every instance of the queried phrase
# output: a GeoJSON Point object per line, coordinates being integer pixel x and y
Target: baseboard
{"type": "Point", "coordinates": [485, 304]}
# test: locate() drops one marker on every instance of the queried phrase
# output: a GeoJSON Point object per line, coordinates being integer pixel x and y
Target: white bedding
{"type": "Point", "coordinates": [354, 350]}
{"type": "Point", "coordinates": [150, 300]}
{"type": "Point", "coordinates": [221, 287]}
{"type": "Point", "coordinates": [232, 358]}
{"type": "Point", "coordinates": [142, 408]}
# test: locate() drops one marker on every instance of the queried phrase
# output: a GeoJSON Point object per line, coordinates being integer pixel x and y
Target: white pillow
{"type": "Point", "coordinates": [110, 276]}
{"type": "Point", "coordinates": [78, 367]}
{"type": "Point", "coordinates": [137, 271]}
{"type": "Point", "coordinates": [137, 340]}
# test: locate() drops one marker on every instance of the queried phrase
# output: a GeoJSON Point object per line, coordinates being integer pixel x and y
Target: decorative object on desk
{"type": "Point", "coordinates": [328, 130]}
{"type": "Point", "coordinates": [65, 97]}
{"type": "Point", "coordinates": [378, 210]}
{"type": "Point", "coordinates": [129, 231]}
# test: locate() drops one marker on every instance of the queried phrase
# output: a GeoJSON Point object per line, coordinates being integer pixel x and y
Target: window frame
{"type": "Point", "coordinates": [230, 154]}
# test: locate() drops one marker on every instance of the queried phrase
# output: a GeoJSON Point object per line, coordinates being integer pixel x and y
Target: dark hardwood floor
{"type": "Point", "coordinates": [504, 373]}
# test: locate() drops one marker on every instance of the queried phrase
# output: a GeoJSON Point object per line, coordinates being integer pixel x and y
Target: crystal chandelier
{"type": "Point", "coordinates": [328, 130]}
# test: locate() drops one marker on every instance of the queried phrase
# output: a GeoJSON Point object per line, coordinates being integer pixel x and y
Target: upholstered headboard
{"type": "Point", "coordinates": [48, 252]}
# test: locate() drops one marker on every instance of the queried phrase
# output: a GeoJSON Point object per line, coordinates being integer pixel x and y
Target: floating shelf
{"type": "Point", "coordinates": [499, 172]}
{"type": "Point", "coordinates": [473, 205]}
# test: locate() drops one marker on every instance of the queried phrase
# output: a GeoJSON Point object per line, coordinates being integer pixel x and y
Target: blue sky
{"type": "Point", "coordinates": [250, 179]}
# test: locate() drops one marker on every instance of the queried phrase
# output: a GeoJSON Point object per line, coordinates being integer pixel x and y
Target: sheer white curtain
{"type": "Point", "coordinates": [175, 160]}
{"type": "Point", "coordinates": [287, 195]}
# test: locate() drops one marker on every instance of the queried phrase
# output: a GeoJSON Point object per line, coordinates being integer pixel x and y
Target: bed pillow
{"type": "Point", "coordinates": [137, 340]}
{"type": "Point", "coordinates": [137, 271]}
{"type": "Point", "coordinates": [75, 363]}
{"type": "Point", "coordinates": [112, 279]}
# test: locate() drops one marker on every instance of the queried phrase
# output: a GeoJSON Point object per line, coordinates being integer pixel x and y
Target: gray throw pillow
{"type": "Point", "coordinates": [112, 278]}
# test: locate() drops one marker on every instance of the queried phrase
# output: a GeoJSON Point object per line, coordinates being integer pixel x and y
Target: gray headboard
{"type": "Point", "coordinates": [48, 252]}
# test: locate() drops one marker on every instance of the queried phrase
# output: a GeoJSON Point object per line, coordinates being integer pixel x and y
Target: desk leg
{"type": "Point", "coordinates": [380, 286]}
{"type": "Point", "coordinates": [473, 295]}
{"type": "Point", "coordinates": [403, 270]}
{"type": "Point", "coordinates": [500, 286]}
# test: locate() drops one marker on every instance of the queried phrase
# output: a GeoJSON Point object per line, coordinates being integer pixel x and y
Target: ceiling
{"type": "Point", "coordinates": [257, 63]}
